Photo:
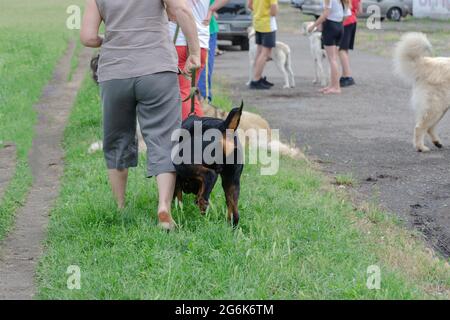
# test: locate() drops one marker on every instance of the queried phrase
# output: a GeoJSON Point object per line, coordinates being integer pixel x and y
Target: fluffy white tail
{"type": "Point", "coordinates": [411, 48]}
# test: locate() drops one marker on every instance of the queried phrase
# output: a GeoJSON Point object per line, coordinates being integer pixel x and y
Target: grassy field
{"type": "Point", "coordinates": [33, 36]}
{"type": "Point", "coordinates": [297, 238]}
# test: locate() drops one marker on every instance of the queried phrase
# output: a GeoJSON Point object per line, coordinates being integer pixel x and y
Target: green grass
{"type": "Point", "coordinates": [296, 240]}
{"type": "Point", "coordinates": [33, 36]}
{"type": "Point", "coordinates": [345, 180]}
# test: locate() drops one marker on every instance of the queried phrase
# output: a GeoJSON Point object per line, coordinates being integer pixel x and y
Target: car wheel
{"type": "Point", "coordinates": [394, 14]}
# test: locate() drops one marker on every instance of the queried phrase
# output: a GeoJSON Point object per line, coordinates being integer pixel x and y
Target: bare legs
{"type": "Point", "coordinates": [345, 62]}
{"type": "Point", "coordinates": [166, 187]}
{"type": "Point", "coordinates": [334, 87]}
{"type": "Point", "coordinates": [262, 55]}
{"type": "Point", "coordinates": [118, 179]}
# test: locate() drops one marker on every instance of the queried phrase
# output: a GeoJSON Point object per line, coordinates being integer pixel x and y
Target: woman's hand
{"type": "Point", "coordinates": [311, 28]}
{"type": "Point", "coordinates": [192, 63]}
{"type": "Point", "coordinates": [208, 18]}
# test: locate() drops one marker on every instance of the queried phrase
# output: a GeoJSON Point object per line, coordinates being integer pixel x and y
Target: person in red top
{"type": "Point", "coordinates": [347, 43]}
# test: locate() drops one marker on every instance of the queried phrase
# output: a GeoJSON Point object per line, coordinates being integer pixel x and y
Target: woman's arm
{"type": "Point", "coordinates": [273, 9]}
{"type": "Point", "coordinates": [213, 9]}
{"type": "Point", "coordinates": [186, 21]}
{"type": "Point", "coordinates": [250, 5]}
{"type": "Point", "coordinates": [322, 18]}
{"type": "Point", "coordinates": [90, 26]}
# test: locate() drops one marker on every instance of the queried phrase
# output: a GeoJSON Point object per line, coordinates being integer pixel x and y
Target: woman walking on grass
{"type": "Point", "coordinates": [137, 73]}
{"type": "Point", "coordinates": [332, 31]}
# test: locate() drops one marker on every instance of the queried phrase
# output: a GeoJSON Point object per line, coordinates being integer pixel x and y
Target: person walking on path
{"type": "Point", "coordinates": [347, 44]}
{"type": "Point", "coordinates": [265, 24]}
{"type": "Point", "coordinates": [137, 74]}
{"type": "Point", "coordinates": [203, 14]}
{"type": "Point", "coordinates": [331, 19]}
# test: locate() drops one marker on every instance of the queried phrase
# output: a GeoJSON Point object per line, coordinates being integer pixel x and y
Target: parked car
{"type": "Point", "coordinates": [234, 20]}
{"type": "Point", "coordinates": [391, 9]}
{"type": "Point", "coordinates": [297, 3]}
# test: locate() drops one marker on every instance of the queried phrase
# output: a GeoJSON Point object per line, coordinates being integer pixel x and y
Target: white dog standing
{"type": "Point", "coordinates": [430, 80]}
{"type": "Point", "coordinates": [318, 54]}
{"type": "Point", "coordinates": [281, 55]}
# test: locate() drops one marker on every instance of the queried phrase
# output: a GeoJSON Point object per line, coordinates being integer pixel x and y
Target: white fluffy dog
{"type": "Point", "coordinates": [281, 55]}
{"type": "Point", "coordinates": [318, 54]}
{"type": "Point", "coordinates": [430, 80]}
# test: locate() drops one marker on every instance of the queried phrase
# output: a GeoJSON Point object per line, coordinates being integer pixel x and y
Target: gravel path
{"type": "Point", "coordinates": [366, 131]}
{"type": "Point", "coordinates": [20, 251]}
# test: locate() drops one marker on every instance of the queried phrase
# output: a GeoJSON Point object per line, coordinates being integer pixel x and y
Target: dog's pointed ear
{"type": "Point", "coordinates": [234, 117]}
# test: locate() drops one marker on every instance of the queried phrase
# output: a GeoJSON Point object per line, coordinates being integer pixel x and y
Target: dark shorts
{"type": "Point", "coordinates": [155, 101]}
{"type": "Point", "coordinates": [266, 39]}
{"type": "Point", "coordinates": [348, 40]}
{"type": "Point", "coordinates": [332, 33]}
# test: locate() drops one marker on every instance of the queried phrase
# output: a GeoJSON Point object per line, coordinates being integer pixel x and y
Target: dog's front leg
{"type": "Point", "coordinates": [208, 180]}
{"type": "Point", "coordinates": [178, 192]}
{"type": "Point", "coordinates": [281, 63]}
{"type": "Point", "coordinates": [316, 72]}
{"type": "Point", "coordinates": [231, 187]}
{"type": "Point", "coordinates": [321, 72]}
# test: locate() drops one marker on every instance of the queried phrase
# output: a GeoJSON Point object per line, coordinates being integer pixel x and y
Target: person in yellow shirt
{"type": "Point", "coordinates": [265, 24]}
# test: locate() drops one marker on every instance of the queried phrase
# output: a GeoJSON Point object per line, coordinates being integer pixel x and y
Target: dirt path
{"type": "Point", "coordinates": [20, 251]}
{"type": "Point", "coordinates": [7, 166]}
{"type": "Point", "coordinates": [366, 131]}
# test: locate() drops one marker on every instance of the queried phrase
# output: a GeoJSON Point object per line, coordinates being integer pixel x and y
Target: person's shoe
{"type": "Point", "coordinates": [346, 81]}
{"type": "Point", "coordinates": [264, 80]}
{"type": "Point", "coordinates": [259, 85]}
{"type": "Point", "coordinates": [166, 222]}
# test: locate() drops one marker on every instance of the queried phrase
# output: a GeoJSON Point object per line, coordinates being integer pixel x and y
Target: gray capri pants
{"type": "Point", "coordinates": [155, 100]}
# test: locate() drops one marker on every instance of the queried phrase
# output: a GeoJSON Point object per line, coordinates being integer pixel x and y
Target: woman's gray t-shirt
{"type": "Point", "coordinates": [137, 40]}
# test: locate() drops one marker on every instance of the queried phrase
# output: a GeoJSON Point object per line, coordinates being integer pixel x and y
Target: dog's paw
{"type": "Point", "coordinates": [315, 81]}
{"type": "Point", "coordinates": [286, 86]}
{"type": "Point", "coordinates": [438, 144]}
{"type": "Point", "coordinates": [423, 149]}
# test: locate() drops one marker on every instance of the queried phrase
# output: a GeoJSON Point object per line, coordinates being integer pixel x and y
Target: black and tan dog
{"type": "Point", "coordinates": [198, 176]}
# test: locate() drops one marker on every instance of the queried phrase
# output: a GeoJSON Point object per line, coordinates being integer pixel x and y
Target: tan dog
{"type": "Point", "coordinates": [430, 79]}
{"type": "Point", "coordinates": [254, 121]}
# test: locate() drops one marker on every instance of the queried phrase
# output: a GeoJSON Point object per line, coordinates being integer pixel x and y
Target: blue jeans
{"type": "Point", "coordinates": [210, 68]}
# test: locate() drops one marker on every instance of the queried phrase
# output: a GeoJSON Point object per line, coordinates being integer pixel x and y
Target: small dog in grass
{"type": "Point", "coordinates": [430, 80]}
{"type": "Point", "coordinates": [281, 55]}
{"type": "Point", "coordinates": [318, 54]}
{"type": "Point", "coordinates": [198, 176]}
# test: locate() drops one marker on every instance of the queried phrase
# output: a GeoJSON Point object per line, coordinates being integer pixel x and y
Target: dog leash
{"type": "Point", "coordinates": [194, 89]}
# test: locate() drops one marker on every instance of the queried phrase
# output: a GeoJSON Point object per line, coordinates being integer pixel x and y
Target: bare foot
{"type": "Point", "coordinates": [324, 89]}
{"type": "Point", "coordinates": [165, 221]}
{"type": "Point", "coordinates": [332, 91]}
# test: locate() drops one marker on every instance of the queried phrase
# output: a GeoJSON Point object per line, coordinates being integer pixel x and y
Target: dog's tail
{"type": "Point", "coordinates": [411, 48]}
{"type": "Point", "coordinates": [286, 150]}
{"type": "Point", "coordinates": [96, 146]}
